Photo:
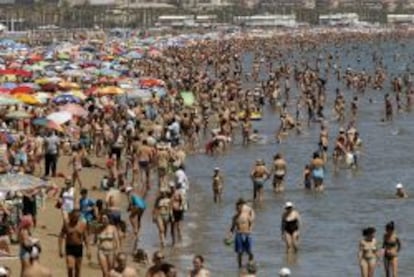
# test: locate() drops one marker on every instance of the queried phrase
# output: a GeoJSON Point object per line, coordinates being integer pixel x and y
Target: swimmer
{"type": "Point", "coordinates": [284, 272]}
{"type": "Point", "coordinates": [400, 191]}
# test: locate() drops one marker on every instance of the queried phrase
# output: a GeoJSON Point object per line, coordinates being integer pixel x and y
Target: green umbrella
{"type": "Point", "coordinates": [18, 115]}
{"type": "Point", "coordinates": [188, 98]}
{"type": "Point", "coordinates": [8, 101]}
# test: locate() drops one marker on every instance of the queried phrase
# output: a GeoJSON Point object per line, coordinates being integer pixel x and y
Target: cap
{"type": "Point", "coordinates": [342, 130]}
{"type": "Point", "coordinates": [399, 186]}
{"type": "Point", "coordinates": [288, 205]}
{"type": "Point", "coordinates": [217, 168]}
{"type": "Point", "coordinates": [128, 189]}
{"type": "Point", "coordinates": [284, 272]}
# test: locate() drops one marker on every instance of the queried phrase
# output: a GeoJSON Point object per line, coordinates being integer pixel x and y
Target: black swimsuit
{"type": "Point", "coordinates": [291, 226]}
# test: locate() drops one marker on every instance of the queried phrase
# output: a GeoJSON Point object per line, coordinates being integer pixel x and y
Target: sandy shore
{"type": "Point", "coordinates": [49, 224]}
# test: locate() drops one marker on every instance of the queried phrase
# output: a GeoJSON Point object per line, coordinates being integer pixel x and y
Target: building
{"type": "Point", "coordinates": [176, 21]}
{"type": "Point", "coordinates": [276, 20]}
{"type": "Point", "coordinates": [400, 19]}
{"type": "Point", "coordinates": [327, 4]}
{"type": "Point", "coordinates": [287, 5]}
{"type": "Point", "coordinates": [339, 19]}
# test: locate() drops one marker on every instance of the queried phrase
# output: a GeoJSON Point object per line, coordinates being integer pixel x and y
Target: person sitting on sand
{"type": "Point", "coordinates": [36, 269]}
{"type": "Point", "coordinates": [121, 269]}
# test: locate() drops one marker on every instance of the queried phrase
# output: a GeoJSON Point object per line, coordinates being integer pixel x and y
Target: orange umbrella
{"type": "Point", "coordinates": [22, 90]}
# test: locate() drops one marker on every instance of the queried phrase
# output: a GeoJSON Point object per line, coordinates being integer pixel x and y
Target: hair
{"type": "Point", "coordinates": [84, 191]}
{"type": "Point", "coordinates": [368, 231]}
{"type": "Point", "coordinates": [390, 226]}
{"type": "Point", "coordinates": [199, 257]}
{"type": "Point", "coordinates": [316, 155]}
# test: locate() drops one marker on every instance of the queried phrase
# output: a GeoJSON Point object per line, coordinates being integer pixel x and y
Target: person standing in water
{"type": "Point", "coordinates": [259, 176]}
{"type": "Point", "coordinates": [318, 171]}
{"type": "Point", "coordinates": [391, 246]}
{"type": "Point", "coordinates": [241, 228]}
{"type": "Point", "coordinates": [368, 252]}
{"type": "Point", "coordinates": [290, 227]}
{"type": "Point", "coordinates": [217, 185]}
{"type": "Point", "coordinates": [279, 170]}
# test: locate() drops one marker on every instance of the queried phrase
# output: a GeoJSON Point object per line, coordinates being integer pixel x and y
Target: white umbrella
{"type": "Point", "coordinates": [60, 117]}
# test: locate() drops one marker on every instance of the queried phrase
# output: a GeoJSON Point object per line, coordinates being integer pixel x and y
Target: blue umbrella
{"type": "Point", "coordinates": [9, 85]}
{"type": "Point", "coordinates": [66, 98]}
{"type": "Point", "coordinates": [134, 55]}
{"type": "Point", "coordinates": [41, 121]}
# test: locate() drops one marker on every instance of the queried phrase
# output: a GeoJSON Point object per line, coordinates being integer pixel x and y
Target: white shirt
{"type": "Point", "coordinates": [68, 200]}
{"type": "Point", "coordinates": [181, 178]}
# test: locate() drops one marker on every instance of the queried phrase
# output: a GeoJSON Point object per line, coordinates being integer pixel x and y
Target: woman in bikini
{"type": "Point", "coordinates": [290, 227]}
{"type": "Point", "coordinates": [162, 215]}
{"type": "Point", "coordinates": [368, 253]}
{"type": "Point", "coordinates": [391, 246]}
{"type": "Point", "coordinates": [108, 245]}
{"type": "Point", "coordinates": [76, 164]}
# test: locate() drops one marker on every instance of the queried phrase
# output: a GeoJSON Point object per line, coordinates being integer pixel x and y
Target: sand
{"type": "Point", "coordinates": [50, 223]}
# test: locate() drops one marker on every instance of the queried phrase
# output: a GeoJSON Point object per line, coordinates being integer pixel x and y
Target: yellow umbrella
{"type": "Point", "coordinates": [27, 99]}
{"type": "Point", "coordinates": [111, 90]}
{"type": "Point", "coordinates": [8, 78]}
{"type": "Point", "coordinates": [77, 93]}
{"type": "Point", "coordinates": [68, 85]}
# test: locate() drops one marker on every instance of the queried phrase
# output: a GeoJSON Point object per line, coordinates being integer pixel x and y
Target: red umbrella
{"type": "Point", "coordinates": [22, 90]}
{"type": "Point", "coordinates": [17, 72]}
{"type": "Point", "coordinates": [4, 91]}
{"type": "Point", "coordinates": [90, 90]}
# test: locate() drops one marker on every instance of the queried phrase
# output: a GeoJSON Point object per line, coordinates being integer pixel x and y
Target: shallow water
{"type": "Point", "coordinates": [332, 220]}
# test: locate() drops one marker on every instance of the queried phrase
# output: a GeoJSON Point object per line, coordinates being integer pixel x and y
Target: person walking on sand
{"type": "Point", "coordinates": [74, 234]}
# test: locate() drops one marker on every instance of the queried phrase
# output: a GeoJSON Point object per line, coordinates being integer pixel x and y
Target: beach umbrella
{"type": "Point", "coordinates": [74, 109]}
{"type": "Point", "coordinates": [133, 55]}
{"type": "Point", "coordinates": [9, 85]}
{"type": "Point", "coordinates": [111, 90]}
{"type": "Point", "coordinates": [27, 99]}
{"type": "Point", "coordinates": [60, 117]}
{"type": "Point", "coordinates": [8, 101]}
{"type": "Point", "coordinates": [74, 73]}
{"type": "Point", "coordinates": [108, 72]}
{"type": "Point", "coordinates": [77, 93]}
{"type": "Point", "coordinates": [19, 182]}
{"type": "Point", "coordinates": [66, 98]}
{"type": "Point", "coordinates": [188, 98]}
{"type": "Point", "coordinates": [22, 90]}
{"type": "Point", "coordinates": [16, 72]}
{"type": "Point", "coordinates": [68, 85]}
{"type": "Point", "coordinates": [18, 115]}
{"type": "Point", "coordinates": [150, 82]}
{"type": "Point", "coordinates": [4, 90]}
{"type": "Point", "coordinates": [44, 122]}
{"type": "Point", "coordinates": [42, 97]}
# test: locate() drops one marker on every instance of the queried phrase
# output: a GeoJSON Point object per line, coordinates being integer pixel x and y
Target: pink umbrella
{"type": "Point", "coordinates": [74, 109]}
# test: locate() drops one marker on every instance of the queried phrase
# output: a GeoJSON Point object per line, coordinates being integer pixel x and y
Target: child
{"type": "Point", "coordinates": [307, 177]}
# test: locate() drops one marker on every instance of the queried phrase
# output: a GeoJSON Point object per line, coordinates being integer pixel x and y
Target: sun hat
{"type": "Point", "coordinates": [284, 272]}
{"type": "Point", "coordinates": [399, 186]}
{"type": "Point", "coordinates": [288, 205]}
